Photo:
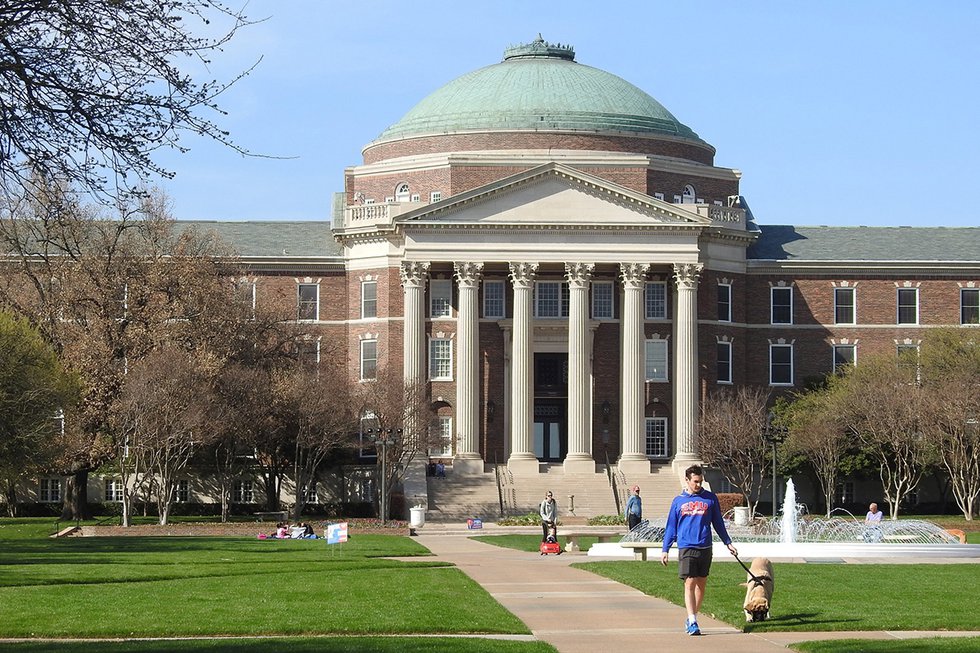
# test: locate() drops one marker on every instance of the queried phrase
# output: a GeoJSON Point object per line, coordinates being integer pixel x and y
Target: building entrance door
{"type": "Point", "coordinates": [550, 407]}
{"type": "Point", "coordinates": [550, 436]}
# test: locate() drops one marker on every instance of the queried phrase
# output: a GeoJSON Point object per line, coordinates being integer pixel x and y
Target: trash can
{"type": "Point", "coordinates": [741, 516]}
{"type": "Point", "coordinates": [417, 517]}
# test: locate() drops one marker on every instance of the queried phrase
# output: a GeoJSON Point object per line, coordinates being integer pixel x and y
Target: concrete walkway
{"type": "Point", "coordinates": [578, 612]}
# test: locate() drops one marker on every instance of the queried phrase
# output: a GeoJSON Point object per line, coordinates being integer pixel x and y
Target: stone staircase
{"type": "Point", "coordinates": [497, 493]}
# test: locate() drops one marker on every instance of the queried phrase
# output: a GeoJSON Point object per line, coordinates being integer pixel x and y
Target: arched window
{"type": "Point", "coordinates": [690, 195]}
{"type": "Point", "coordinates": [402, 193]}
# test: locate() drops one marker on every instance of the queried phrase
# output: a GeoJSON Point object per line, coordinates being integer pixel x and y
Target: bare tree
{"type": "Point", "coordinates": [89, 90]}
{"type": "Point", "coordinates": [105, 293]}
{"type": "Point", "coordinates": [882, 404]}
{"type": "Point", "coordinates": [390, 403]}
{"type": "Point", "coordinates": [163, 402]}
{"type": "Point", "coordinates": [817, 433]}
{"type": "Point", "coordinates": [317, 409]}
{"type": "Point", "coordinates": [951, 409]}
{"type": "Point", "coordinates": [731, 437]}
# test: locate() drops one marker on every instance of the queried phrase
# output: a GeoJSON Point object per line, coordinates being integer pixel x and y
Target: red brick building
{"type": "Point", "coordinates": [558, 258]}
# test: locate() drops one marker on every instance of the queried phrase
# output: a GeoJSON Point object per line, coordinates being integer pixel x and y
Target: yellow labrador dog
{"type": "Point", "coordinates": [759, 585]}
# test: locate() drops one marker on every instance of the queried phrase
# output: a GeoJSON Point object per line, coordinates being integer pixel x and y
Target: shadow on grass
{"type": "Point", "coordinates": [796, 619]}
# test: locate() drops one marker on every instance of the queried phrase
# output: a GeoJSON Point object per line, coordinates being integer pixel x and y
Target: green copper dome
{"type": "Point", "coordinates": [539, 86]}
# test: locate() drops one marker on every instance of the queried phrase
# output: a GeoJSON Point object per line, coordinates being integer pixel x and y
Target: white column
{"type": "Point", "coordinates": [522, 459]}
{"type": "Point", "coordinates": [686, 364]}
{"type": "Point", "coordinates": [633, 459]}
{"type": "Point", "coordinates": [467, 457]}
{"type": "Point", "coordinates": [413, 276]}
{"type": "Point", "coordinates": [579, 456]}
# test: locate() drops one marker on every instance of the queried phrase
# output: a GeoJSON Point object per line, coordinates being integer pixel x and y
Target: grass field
{"type": "Point", "coordinates": [823, 596]}
{"type": "Point", "coordinates": [926, 645]}
{"type": "Point", "coordinates": [175, 587]}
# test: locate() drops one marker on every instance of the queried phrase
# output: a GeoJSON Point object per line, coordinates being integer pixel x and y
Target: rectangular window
{"type": "Point", "coordinates": [49, 490]}
{"type": "Point", "coordinates": [440, 359]}
{"type": "Point", "coordinates": [602, 300]}
{"type": "Point", "coordinates": [113, 489]}
{"type": "Point", "coordinates": [844, 355]}
{"type": "Point", "coordinates": [780, 364]}
{"type": "Point", "coordinates": [435, 196]}
{"type": "Point", "coordinates": [308, 300]}
{"type": "Point", "coordinates": [781, 301]}
{"type": "Point", "coordinates": [969, 306]}
{"type": "Point", "coordinates": [655, 300]}
{"type": "Point", "coordinates": [845, 492]}
{"type": "Point", "coordinates": [908, 305]}
{"type": "Point", "coordinates": [244, 492]}
{"type": "Point", "coordinates": [844, 306]}
{"type": "Point", "coordinates": [243, 292]}
{"type": "Point", "coordinates": [369, 299]}
{"type": "Point", "coordinates": [369, 360]}
{"type": "Point", "coordinates": [493, 299]}
{"type": "Point", "coordinates": [908, 356]}
{"type": "Point", "coordinates": [551, 299]}
{"type": "Point", "coordinates": [656, 437]}
{"type": "Point", "coordinates": [724, 302]}
{"type": "Point", "coordinates": [444, 434]}
{"type": "Point", "coordinates": [440, 298]}
{"type": "Point", "coordinates": [308, 353]}
{"type": "Point", "coordinates": [656, 360]}
{"type": "Point", "coordinates": [724, 362]}
{"type": "Point", "coordinates": [310, 494]}
{"type": "Point", "coordinates": [182, 491]}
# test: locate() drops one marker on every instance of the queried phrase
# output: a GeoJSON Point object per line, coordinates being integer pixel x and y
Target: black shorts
{"type": "Point", "coordinates": [694, 563]}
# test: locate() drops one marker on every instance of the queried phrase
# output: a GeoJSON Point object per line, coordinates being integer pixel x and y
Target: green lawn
{"type": "Point", "coordinates": [929, 645]}
{"type": "Point", "coordinates": [811, 597]}
{"type": "Point", "coordinates": [293, 645]}
{"type": "Point", "coordinates": [828, 597]}
{"type": "Point", "coordinates": [180, 586]}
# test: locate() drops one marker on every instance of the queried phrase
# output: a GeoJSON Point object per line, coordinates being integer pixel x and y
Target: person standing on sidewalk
{"type": "Point", "coordinates": [634, 509]}
{"type": "Point", "coordinates": [549, 516]}
{"type": "Point", "coordinates": [689, 522]}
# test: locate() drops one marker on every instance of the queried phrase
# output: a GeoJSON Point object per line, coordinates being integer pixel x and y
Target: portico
{"type": "Point", "coordinates": [552, 307]}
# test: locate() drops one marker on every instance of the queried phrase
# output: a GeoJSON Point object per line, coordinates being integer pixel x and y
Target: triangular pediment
{"type": "Point", "coordinates": [552, 195]}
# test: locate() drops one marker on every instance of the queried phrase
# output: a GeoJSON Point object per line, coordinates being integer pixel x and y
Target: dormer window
{"type": "Point", "coordinates": [402, 193]}
{"type": "Point", "coordinates": [690, 196]}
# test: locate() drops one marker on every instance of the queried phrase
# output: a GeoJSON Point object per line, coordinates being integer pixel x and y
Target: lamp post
{"type": "Point", "coordinates": [773, 435]}
{"type": "Point", "coordinates": [382, 439]}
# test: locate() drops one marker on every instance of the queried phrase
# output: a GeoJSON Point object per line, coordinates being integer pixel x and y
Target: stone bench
{"type": "Point", "coordinates": [573, 536]}
{"type": "Point", "coordinates": [640, 549]}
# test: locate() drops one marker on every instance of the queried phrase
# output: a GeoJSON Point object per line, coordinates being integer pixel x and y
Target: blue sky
{"type": "Point", "coordinates": [837, 113]}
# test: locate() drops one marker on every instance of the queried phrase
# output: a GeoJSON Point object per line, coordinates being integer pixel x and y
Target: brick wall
{"type": "Point", "coordinates": [500, 140]}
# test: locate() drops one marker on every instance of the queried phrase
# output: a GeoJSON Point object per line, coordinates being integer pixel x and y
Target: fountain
{"type": "Point", "coordinates": [787, 530]}
{"type": "Point", "coordinates": [794, 535]}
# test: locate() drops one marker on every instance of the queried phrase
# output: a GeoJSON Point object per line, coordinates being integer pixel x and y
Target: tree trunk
{"type": "Point", "coordinates": [75, 502]}
{"type": "Point", "coordinates": [10, 495]}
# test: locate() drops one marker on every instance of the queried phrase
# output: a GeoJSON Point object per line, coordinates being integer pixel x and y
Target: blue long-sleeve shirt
{"type": "Point", "coordinates": [690, 520]}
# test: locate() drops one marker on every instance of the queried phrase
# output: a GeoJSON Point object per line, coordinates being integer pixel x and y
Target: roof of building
{"type": "Point", "coordinates": [786, 242]}
{"type": "Point", "coordinates": [262, 239]}
{"type": "Point", "coordinates": [539, 86]}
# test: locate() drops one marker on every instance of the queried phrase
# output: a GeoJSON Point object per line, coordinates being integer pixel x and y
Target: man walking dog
{"type": "Point", "coordinates": [689, 522]}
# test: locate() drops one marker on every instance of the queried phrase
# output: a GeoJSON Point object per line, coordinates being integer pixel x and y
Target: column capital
{"type": "Point", "coordinates": [686, 275]}
{"type": "Point", "coordinates": [579, 274]}
{"type": "Point", "coordinates": [633, 275]}
{"type": "Point", "coordinates": [414, 273]}
{"type": "Point", "coordinates": [468, 273]}
{"type": "Point", "coordinates": [522, 275]}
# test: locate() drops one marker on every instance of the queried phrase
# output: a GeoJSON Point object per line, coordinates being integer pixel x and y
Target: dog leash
{"type": "Point", "coordinates": [758, 580]}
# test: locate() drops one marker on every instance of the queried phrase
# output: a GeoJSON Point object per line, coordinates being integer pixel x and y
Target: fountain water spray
{"type": "Point", "coordinates": [787, 525]}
